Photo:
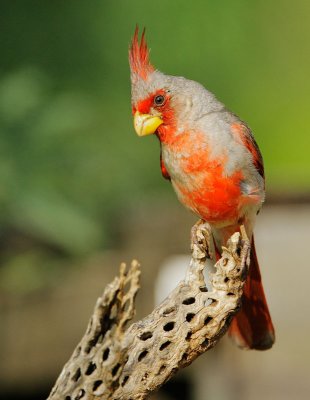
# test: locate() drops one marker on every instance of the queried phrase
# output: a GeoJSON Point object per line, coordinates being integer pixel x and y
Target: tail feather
{"type": "Point", "coordinates": [252, 327]}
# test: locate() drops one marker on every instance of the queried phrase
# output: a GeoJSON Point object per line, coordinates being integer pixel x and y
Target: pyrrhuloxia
{"type": "Point", "coordinates": [214, 165]}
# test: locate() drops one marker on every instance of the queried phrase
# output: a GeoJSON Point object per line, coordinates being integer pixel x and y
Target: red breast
{"type": "Point", "coordinates": [200, 181]}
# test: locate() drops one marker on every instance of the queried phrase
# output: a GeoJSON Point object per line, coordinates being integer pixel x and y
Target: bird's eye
{"type": "Point", "coordinates": [159, 100]}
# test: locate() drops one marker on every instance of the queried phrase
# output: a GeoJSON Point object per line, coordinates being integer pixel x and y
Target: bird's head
{"type": "Point", "coordinates": [162, 103]}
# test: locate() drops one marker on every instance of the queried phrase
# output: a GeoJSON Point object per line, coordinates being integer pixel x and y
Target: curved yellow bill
{"type": "Point", "coordinates": [146, 124]}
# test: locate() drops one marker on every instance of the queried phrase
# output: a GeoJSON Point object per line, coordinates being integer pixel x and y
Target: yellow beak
{"type": "Point", "coordinates": [145, 124]}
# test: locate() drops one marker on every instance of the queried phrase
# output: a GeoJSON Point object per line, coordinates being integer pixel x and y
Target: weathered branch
{"type": "Point", "coordinates": [112, 362]}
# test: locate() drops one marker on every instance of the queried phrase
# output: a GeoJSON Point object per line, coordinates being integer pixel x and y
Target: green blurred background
{"type": "Point", "coordinates": [74, 178]}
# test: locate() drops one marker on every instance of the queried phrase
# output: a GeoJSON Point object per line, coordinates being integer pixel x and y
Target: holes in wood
{"type": "Point", "coordinates": [124, 381]}
{"type": "Point", "coordinates": [68, 398]}
{"type": "Point", "coordinates": [106, 324]}
{"type": "Point", "coordinates": [161, 369]}
{"type": "Point", "coordinates": [144, 377]}
{"type": "Point", "coordinates": [96, 385]}
{"type": "Point", "coordinates": [189, 300]}
{"type": "Point", "coordinates": [230, 294]}
{"type": "Point", "coordinates": [226, 279]}
{"type": "Point", "coordinates": [105, 354]}
{"type": "Point", "coordinates": [142, 355]}
{"type": "Point", "coordinates": [189, 317]}
{"type": "Point", "coordinates": [91, 368]}
{"type": "Point", "coordinates": [146, 335]}
{"type": "Point", "coordinates": [98, 338]}
{"type": "Point", "coordinates": [88, 348]}
{"type": "Point", "coordinates": [168, 311]}
{"type": "Point", "coordinates": [168, 326]}
{"type": "Point", "coordinates": [184, 357]}
{"type": "Point", "coordinates": [76, 375]}
{"type": "Point", "coordinates": [188, 336]}
{"type": "Point", "coordinates": [115, 369]}
{"type": "Point", "coordinates": [205, 343]}
{"type": "Point", "coordinates": [238, 251]}
{"type": "Point", "coordinates": [80, 395]}
{"type": "Point", "coordinates": [203, 288]}
{"type": "Point", "coordinates": [213, 302]}
{"type": "Point", "coordinates": [164, 345]}
{"type": "Point", "coordinates": [207, 320]}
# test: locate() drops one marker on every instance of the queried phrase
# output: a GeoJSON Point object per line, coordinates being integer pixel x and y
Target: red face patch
{"type": "Point", "coordinates": [144, 106]}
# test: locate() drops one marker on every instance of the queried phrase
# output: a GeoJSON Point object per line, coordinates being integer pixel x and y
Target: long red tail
{"type": "Point", "coordinates": [252, 327]}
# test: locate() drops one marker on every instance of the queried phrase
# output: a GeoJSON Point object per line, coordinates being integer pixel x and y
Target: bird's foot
{"type": "Point", "coordinates": [200, 237]}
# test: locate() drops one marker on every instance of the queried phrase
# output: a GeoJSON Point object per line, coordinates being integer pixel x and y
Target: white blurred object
{"type": "Point", "coordinates": [171, 272]}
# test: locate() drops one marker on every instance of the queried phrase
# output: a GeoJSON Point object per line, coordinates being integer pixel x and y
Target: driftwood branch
{"type": "Point", "coordinates": [112, 362]}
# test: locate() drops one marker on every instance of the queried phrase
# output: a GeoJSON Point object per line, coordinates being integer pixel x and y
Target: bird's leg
{"type": "Point", "coordinates": [194, 239]}
{"type": "Point", "coordinates": [201, 238]}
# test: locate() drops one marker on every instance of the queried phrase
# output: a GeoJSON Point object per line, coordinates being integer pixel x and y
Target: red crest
{"type": "Point", "coordinates": [139, 56]}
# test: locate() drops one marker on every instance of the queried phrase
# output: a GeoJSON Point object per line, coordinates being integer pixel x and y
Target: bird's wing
{"type": "Point", "coordinates": [245, 135]}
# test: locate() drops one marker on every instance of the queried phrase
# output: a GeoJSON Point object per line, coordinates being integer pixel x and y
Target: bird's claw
{"type": "Point", "coordinates": [200, 240]}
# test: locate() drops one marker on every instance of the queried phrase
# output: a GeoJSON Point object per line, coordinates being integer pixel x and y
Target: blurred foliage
{"type": "Point", "coordinates": [70, 163]}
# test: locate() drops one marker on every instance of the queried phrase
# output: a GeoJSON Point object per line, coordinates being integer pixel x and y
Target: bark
{"type": "Point", "coordinates": [115, 362]}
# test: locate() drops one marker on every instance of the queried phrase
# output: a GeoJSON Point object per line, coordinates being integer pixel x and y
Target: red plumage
{"type": "Point", "coordinates": [252, 327]}
{"type": "Point", "coordinates": [139, 56]}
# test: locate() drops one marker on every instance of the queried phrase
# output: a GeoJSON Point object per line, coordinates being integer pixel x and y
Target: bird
{"type": "Point", "coordinates": [215, 166]}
